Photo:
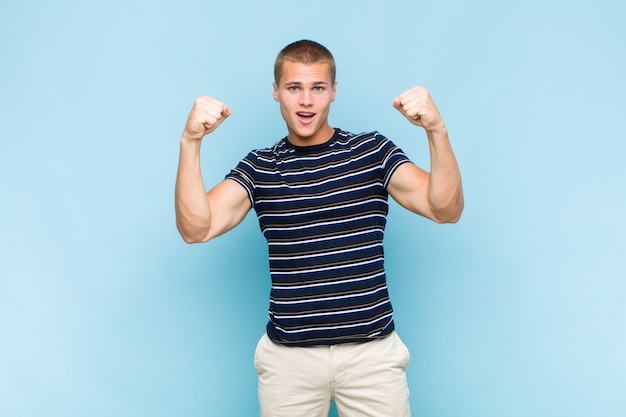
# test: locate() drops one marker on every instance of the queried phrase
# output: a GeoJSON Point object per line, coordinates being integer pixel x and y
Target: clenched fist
{"type": "Point", "coordinates": [419, 108]}
{"type": "Point", "coordinates": [205, 116]}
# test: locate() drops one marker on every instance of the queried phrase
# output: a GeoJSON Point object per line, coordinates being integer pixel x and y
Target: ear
{"type": "Point", "coordinates": [276, 96]}
{"type": "Point", "coordinates": [334, 90]}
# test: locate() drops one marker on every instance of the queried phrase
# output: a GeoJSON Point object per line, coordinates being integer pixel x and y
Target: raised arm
{"type": "Point", "coordinates": [201, 216]}
{"type": "Point", "coordinates": [438, 194]}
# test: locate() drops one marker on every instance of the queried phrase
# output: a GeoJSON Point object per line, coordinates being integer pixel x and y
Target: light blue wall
{"type": "Point", "coordinates": [518, 310]}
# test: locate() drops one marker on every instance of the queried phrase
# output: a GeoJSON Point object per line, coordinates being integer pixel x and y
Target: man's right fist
{"type": "Point", "coordinates": [205, 116]}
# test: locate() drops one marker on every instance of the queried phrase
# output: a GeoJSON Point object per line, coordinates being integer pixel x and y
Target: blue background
{"type": "Point", "coordinates": [518, 310]}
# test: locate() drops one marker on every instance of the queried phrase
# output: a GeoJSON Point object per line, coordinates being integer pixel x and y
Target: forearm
{"type": "Point", "coordinates": [193, 215]}
{"type": "Point", "coordinates": [445, 191]}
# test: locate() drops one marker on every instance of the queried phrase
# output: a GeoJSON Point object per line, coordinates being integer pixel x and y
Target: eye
{"type": "Point", "coordinates": [293, 88]}
{"type": "Point", "coordinates": [318, 88]}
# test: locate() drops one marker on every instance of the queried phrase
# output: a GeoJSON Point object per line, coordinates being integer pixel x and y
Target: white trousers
{"type": "Point", "coordinates": [364, 379]}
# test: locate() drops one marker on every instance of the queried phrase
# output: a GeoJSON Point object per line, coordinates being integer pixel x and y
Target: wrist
{"type": "Point", "coordinates": [191, 138]}
{"type": "Point", "coordinates": [438, 131]}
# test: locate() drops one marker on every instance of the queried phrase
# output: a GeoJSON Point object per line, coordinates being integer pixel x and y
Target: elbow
{"type": "Point", "coordinates": [448, 218]}
{"type": "Point", "coordinates": [453, 218]}
{"type": "Point", "coordinates": [451, 213]}
{"type": "Point", "coordinates": [193, 228]}
{"type": "Point", "coordinates": [456, 215]}
{"type": "Point", "coordinates": [190, 240]}
{"type": "Point", "coordinates": [191, 237]}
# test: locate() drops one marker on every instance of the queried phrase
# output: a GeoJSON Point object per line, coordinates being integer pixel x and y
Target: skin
{"type": "Point", "coordinates": [305, 93]}
{"type": "Point", "coordinates": [437, 195]}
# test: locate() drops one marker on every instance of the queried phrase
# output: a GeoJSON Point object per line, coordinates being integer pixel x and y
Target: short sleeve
{"type": "Point", "coordinates": [244, 174]}
{"type": "Point", "coordinates": [391, 156]}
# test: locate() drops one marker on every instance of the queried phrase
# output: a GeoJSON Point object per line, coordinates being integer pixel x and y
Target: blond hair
{"type": "Point", "coordinates": [304, 52]}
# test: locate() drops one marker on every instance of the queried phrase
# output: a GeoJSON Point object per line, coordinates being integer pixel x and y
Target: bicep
{"type": "Point", "coordinates": [229, 204]}
{"type": "Point", "coordinates": [408, 186]}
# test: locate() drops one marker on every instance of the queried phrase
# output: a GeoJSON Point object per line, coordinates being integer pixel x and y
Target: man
{"type": "Point", "coordinates": [320, 195]}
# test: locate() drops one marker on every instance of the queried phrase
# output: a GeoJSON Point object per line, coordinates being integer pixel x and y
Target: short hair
{"type": "Point", "coordinates": [304, 52]}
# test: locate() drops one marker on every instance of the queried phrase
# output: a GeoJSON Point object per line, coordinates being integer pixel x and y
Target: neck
{"type": "Point", "coordinates": [321, 136]}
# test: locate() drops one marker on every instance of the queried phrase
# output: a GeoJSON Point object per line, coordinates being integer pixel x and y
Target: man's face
{"type": "Point", "coordinates": [305, 92]}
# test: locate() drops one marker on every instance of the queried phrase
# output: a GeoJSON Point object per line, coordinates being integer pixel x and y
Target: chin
{"type": "Point", "coordinates": [304, 133]}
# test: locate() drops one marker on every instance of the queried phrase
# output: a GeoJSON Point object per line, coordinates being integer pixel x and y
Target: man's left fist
{"type": "Point", "coordinates": [419, 108]}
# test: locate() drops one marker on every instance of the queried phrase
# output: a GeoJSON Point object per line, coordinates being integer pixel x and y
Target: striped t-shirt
{"type": "Point", "coordinates": [323, 211]}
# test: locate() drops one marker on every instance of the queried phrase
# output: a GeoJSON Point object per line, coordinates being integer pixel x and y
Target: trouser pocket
{"type": "Point", "coordinates": [259, 351]}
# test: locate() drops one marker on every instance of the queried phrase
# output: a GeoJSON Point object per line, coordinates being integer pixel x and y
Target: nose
{"type": "Point", "coordinates": [306, 99]}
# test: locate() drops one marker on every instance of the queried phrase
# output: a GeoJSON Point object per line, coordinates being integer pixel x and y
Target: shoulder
{"type": "Point", "coordinates": [267, 155]}
{"type": "Point", "coordinates": [343, 137]}
{"type": "Point", "coordinates": [279, 148]}
{"type": "Point", "coordinates": [371, 136]}
{"type": "Point", "coordinates": [372, 141]}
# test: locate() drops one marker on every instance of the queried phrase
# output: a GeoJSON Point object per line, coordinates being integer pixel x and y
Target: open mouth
{"type": "Point", "coordinates": [305, 117]}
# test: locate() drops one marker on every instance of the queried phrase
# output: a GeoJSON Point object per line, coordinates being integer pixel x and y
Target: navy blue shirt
{"type": "Point", "coordinates": [323, 212]}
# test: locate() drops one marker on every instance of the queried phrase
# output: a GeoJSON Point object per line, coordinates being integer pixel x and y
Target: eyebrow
{"type": "Point", "coordinates": [299, 83]}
